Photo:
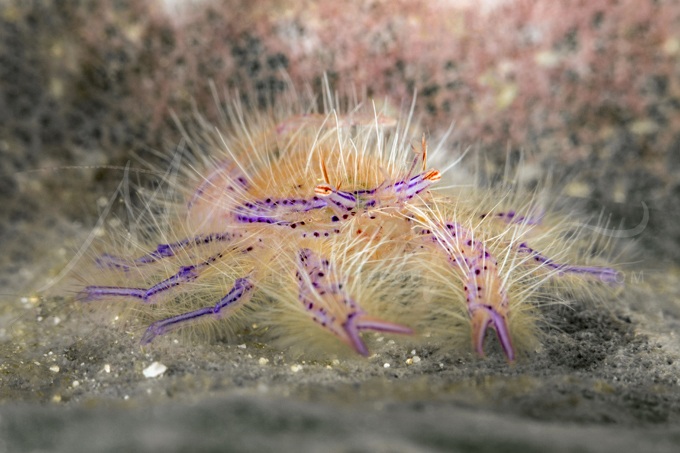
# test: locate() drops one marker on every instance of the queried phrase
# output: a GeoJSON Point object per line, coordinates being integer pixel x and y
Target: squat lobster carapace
{"type": "Point", "coordinates": [332, 221]}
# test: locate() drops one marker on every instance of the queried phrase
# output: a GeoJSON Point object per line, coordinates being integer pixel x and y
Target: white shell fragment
{"type": "Point", "coordinates": [154, 370]}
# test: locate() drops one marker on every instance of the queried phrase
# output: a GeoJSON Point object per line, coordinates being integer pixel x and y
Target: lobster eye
{"type": "Point", "coordinates": [323, 190]}
{"type": "Point", "coordinates": [433, 175]}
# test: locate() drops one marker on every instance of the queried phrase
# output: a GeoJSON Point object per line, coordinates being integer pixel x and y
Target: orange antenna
{"type": "Point", "coordinates": [433, 175]}
{"type": "Point", "coordinates": [423, 151]}
{"type": "Point", "coordinates": [423, 145]}
{"type": "Point", "coordinates": [324, 190]}
{"type": "Point", "coordinates": [325, 172]}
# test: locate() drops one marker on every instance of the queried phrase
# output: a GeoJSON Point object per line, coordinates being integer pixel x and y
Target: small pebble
{"type": "Point", "coordinates": [154, 370]}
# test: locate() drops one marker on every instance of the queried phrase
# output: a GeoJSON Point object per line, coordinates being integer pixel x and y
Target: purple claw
{"type": "Point", "coordinates": [330, 306]}
{"type": "Point", "coordinates": [185, 274]}
{"type": "Point", "coordinates": [606, 274]}
{"type": "Point", "coordinates": [165, 325]}
{"type": "Point", "coordinates": [164, 251]}
{"type": "Point", "coordinates": [357, 322]}
{"type": "Point", "coordinates": [90, 293]}
{"type": "Point", "coordinates": [239, 294]}
{"type": "Point", "coordinates": [483, 317]}
{"type": "Point", "coordinates": [353, 338]}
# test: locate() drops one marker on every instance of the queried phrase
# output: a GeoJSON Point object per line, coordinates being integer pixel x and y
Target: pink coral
{"type": "Point", "coordinates": [589, 87]}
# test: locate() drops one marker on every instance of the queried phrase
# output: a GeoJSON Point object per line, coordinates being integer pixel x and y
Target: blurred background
{"type": "Point", "coordinates": [586, 91]}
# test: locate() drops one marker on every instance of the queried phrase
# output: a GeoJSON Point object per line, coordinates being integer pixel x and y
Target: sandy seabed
{"type": "Point", "coordinates": [606, 378]}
